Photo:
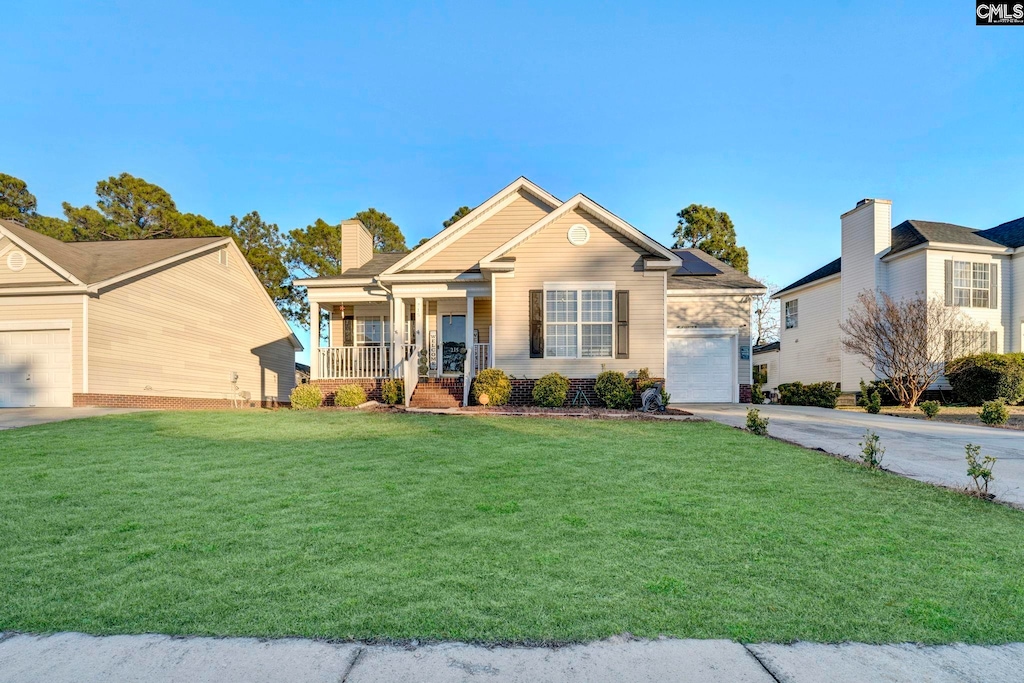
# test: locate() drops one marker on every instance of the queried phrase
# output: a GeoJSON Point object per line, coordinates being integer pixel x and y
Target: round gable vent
{"type": "Point", "coordinates": [16, 261]}
{"type": "Point", "coordinates": [578, 234]}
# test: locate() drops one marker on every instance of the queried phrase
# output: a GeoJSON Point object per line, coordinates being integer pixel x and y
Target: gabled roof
{"type": "Point", "coordinates": [469, 221]}
{"type": "Point", "coordinates": [93, 262]}
{"type": "Point", "coordinates": [765, 348]}
{"type": "Point", "coordinates": [700, 270]}
{"type": "Point", "coordinates": [913, 232]}
{"type": "Point", "coordinates": [583, 202]}
{"type": "Point", "coordinates": [1008, 234]}
{"type": "Point", "coordinates": [827, 270]}
{"type": "Point", "coordinates": [377, 264]}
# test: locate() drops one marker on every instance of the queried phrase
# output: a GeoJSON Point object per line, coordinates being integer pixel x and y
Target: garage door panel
{"type": "Point", "coordinates": [700, 369]}
{"type": "Point", "coordinates": [35, 368]}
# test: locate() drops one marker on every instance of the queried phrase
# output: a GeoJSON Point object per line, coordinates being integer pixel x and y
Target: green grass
{"type": "Point", "coordinates": [387, 526]}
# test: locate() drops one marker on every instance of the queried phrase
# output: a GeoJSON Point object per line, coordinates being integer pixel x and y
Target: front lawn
{"type": "Point", "coordinates": [390, 526]}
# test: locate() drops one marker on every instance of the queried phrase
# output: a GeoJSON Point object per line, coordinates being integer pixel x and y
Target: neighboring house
{"type": "Point", "coordinates": [532, 285]}
{"type": "Point", "coordinates": [301, 374]}
{"type": "Point", "coordinates": [168, 323]}
{"type": "Point", "coordinates": [980, 271]}
{"type": "Point", "coordinates": [766, 366]}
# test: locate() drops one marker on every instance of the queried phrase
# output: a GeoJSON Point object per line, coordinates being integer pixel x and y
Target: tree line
{"type": "Point", "coordinates": [128, 207]}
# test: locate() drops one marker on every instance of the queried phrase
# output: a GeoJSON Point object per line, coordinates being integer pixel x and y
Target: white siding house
{"type": "Point", "coordinates": [981, 272]}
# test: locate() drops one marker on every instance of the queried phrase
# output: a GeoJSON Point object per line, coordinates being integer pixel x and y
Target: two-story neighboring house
{"type": "Point", "coordinates": [980, 271]}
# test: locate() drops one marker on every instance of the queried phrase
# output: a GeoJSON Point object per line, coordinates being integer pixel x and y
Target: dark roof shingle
{"type": "Point", "coordinates": [703, 271]}
{"type": "Point", "coordinates": [825, 271]}
{"type": "Point", "coordinates": [1008, 234]}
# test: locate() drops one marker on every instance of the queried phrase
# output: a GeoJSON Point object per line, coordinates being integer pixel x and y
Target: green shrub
{"type": "Point", "coordinates": [986, 377]}
{"type": "Point", "coordinates": [551, 390]}
{"type": "Point", "coordinates": [757, 424]}
{"type": "Point", "coordinates": [307, 397]}
{"type": "Point", "coordinates": [614, 390]}
{"type": "Point", "coordinates": [979, 470]}
{"type": "Point", "coordinates": [994, 413]}
{"type": "Point", "coordinates": [821, 395]}
{"type": "Point", "coordinates": [756, 395]}
{"type": "Point", "coordinates": [392, 391]}
{"type": "Point", "coordinates": [495, 384]}
{"type": "Point", "coordinates": [349, 396]}
{"type": "Point", "coordinates": [871, 450]}
{"type": "Point", "coordinates": [874, 404]}
{"type": "Point", "coordinates": [929, 408]}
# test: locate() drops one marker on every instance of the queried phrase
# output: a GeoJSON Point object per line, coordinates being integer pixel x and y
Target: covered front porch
{"type": "Point", "coordinates": [441, 338]}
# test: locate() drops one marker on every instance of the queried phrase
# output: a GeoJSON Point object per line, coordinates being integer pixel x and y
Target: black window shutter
{"type": "Point", "coordinates": [536, 323]}
{"type": "Point", "coordinates": [949, 283]}
{"type": "Point", "coordinates": [993, 286]}
{"type": "Point", "coordinates": [622, 324]}
{"type": "Point", "coordinates": [348, 331]}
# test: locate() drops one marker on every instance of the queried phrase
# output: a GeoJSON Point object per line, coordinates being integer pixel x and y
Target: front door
{"type": "Point", "coordinates": [453, 344]}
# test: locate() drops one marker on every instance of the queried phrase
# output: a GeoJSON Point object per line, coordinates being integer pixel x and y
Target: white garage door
{"type": "Point", "coordinates": [700, 370]}
{"type": "Point", "coordinates": [35, 368]}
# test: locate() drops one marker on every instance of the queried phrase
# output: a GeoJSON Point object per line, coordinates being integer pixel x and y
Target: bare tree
{"type": "Point", "coordinates": [766, 314]}
{"type": "Point", "coordinates": [908, 342]}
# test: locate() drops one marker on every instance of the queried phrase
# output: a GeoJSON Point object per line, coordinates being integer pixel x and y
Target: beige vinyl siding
{"type": "Point", "coordinates": [25, 309]}
{"type": "Point", "coordinates": [714, 311]}
{"type": "Point", "coordinates": [466, 251]}
{"type": "Point", "coordinates": [1016, 304]}
{"type": "Point", "coordinates": [34, 272]}
{"type": "Point", "coordinates": [182, 331]}
{"type": "Point", "coordinates": [608, 256]}
{"type": "Point", "coordinates": [771, 359]}
{"type": "Point", "coordinates": [811, 351]}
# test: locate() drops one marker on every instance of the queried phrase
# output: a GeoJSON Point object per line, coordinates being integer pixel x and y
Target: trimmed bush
{"type": "Point", "coordinates": [495, 384]}
{"type": "Point", "coordinates": [756, 395]}
{"type": "Point", "coordinates": [551, 390]}
{"type": "Point", "coordinates": [986, 377]}
{"type": "Point", "coordinates": [994, 413]}
{"type": "Point", "coordinates": [614, 390]}
{"type": "Point", "coordinates": [392, 391]}
{"type": "Point", "coordinates": [929, 408]}
{"type": "Point", "coordinates": [307, 397]}
{"type": "Point", "coordinates": [874, 404]}
{"type": "Point", "coordinates": [349, 396]}
{"type": "Point", "coordinates": [821, 395]}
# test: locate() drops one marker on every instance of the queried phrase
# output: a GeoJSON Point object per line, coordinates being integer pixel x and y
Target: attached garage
{"type": "Point", "coordinates": [701, 367]}
{"type": "Point", "coordinates": [35, 366]}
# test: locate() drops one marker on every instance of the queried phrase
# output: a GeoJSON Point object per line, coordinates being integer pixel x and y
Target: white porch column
{"type": "Point", "coordinates": [421, 324]}
{"type": "Point", "coordinates": [467, 371]}
{"type": "Point", "coordinates": [398, 338]}
{"type": "Point", "coordinates": [314, 340]}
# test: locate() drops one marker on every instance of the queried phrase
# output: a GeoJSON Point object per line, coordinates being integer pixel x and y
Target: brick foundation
{"type": "Point", "coordinates": [167, 402]}
{"type": "Point", "coordinates": [372, 388]}
{"type": "Point", "coordinates": [745, 393]}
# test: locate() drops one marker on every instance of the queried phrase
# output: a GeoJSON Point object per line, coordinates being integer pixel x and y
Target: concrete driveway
{"type": "Point", "coordinates": [11, 418]}
{"type": "Point", "coordinates": [928, 451]}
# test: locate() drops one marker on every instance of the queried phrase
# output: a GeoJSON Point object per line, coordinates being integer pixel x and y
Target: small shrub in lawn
{"type": "Point", "coordinates": [874, 405]}
{"type": "Point", "coordinates": [979, 469]}
{"type": "Point", "coordinates": [495, 384]}
{"type": "Point", "coordinates": [614, 391]}
{"type": "Point", "coordinates": [994, 413]}
{"type": "Point", "coordinates": [930, 408]}
{"type": "Point", "coordinates": [756, 395]}
{"type": "Point", "coordinates": [392, 391]}
{"type": "Point", "coordinates": [872, 450]}
{"type": "Point", "coordinates": [757, 424]}
{"type": "Point", "coordinates": [307, 397]}
{"type": "Point", "coordinates": [551, 390]}
{"type": "Point", "coordinates": [349, 396]}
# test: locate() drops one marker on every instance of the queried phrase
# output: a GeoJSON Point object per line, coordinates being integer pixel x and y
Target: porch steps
{"type": "Point", "coordinates": [431, 393]}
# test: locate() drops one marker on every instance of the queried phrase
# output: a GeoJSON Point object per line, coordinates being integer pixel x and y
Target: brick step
{"type": "Point", "coordinates": [433, 393]}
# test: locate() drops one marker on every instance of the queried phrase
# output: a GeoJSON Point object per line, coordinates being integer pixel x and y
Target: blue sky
{"type": "Point", "coordinates": [783, 115]}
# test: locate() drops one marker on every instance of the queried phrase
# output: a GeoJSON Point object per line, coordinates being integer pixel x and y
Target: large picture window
{"type": "Point", "coordinates": [578, 323]}
{"type": "Point", "coordinates": [971, 284]}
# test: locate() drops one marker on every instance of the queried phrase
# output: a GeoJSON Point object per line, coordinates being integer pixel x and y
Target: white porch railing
{"type": "Point", "coordinates": [481, 357]}
{"type": "Point", "coordinates": [354, 362]}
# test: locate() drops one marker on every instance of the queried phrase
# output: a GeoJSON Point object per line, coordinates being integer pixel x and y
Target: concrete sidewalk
{"type": "Point", "coordinates": [67, 657]}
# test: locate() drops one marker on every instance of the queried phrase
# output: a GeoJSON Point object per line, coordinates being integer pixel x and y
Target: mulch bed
{"type": "Point", "coordinates": [580, 412]}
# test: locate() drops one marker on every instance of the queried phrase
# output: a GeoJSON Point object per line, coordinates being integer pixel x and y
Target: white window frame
{"type": "Point", "coordinates": [792, 319]}
{"type": "Point", "coordinates": [579, 288]}
{"type": "Point", "coordinates": [971, 295]}
{"type": "Point", "coordinates": [385, 328]}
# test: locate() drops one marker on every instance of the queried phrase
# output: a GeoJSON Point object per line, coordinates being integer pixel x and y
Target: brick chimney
{"type": "Point", "coordinates": [356, 244]}
{"type": "Point", "coordinates": [867, 236]}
